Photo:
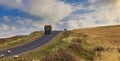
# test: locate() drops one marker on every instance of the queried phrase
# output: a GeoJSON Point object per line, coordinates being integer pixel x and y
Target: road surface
{"type": "Point", "coordinates": [32, 45]}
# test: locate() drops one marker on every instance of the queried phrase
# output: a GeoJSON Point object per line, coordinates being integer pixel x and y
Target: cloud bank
{"type": "Point", "coordinates": [50, 10]}
{"type": "Point", "coordinates": [98, 13]}
{"type": "Point", "coordinates": [59, 14]}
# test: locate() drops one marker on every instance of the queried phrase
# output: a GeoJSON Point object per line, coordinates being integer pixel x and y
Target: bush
{"type": "Point", "coordinates": [58, 55]}
{"type": "Point", "coordinates": [75, 47]}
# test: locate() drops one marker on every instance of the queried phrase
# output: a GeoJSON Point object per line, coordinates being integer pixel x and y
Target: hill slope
{"type": "Point", "coordinates": [89, 44]}
{"type": "Point", "coordinates": [18, 40]}
{"type": "Point", "coordinates": [107, 37]}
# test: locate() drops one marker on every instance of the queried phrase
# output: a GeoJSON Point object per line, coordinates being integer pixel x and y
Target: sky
{"type": "Point", "coordinates": [21, 17]}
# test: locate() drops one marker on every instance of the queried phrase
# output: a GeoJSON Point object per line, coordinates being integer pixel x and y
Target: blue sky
{"type": "Point", "coordinates": [21, 17]}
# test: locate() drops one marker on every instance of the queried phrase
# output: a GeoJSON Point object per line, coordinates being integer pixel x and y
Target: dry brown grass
{"type": "Point", "coordinates": [107, 37]}
{"type": "Point", "coordinates": [58, 55]}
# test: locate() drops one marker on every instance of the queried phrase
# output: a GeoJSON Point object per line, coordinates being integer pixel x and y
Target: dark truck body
{"type": "Point", "coordinates": [47, 29]}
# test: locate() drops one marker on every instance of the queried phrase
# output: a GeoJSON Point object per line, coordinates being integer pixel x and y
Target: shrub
{"type": "Point", "coordinates": [58, 55]}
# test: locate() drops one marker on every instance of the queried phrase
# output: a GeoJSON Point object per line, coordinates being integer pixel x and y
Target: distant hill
{"type": "Point", "coordinates": [11, 38]}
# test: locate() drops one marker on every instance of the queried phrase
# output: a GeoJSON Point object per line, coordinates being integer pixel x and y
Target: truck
{"type": "Point", "coordinates": [47, 29]}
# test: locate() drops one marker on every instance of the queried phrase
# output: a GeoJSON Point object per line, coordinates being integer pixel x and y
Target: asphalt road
{"type": "Point", "coordinates": [30, 46]}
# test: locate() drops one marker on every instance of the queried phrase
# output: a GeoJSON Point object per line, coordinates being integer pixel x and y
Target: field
{"type": "Point", "coordinates": [106, 37]}
{"type": "Point", "coordinates": [88, 44]}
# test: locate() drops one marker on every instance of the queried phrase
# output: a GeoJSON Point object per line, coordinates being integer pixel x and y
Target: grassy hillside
{"type": "Point", "coordinates": [18, 40]}
{"type": "Point", "coordinates": [89, 44]}
{"type": "Point", "coordinates": [106, 37]}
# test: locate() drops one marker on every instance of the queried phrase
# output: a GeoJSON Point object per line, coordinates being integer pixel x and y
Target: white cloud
{"type": "Point", "coordinates": [13, 28]}
{"type": "Point", "coordinates": [105, 12]}
{"type": "Point", "coordinates": [9, 31]}
{"type": "Point", "coordinates": [6, 18]}
{"type": "Point", "coordinates": [13, 4]}
{"type": "Point", "coordinates": [50, 10]}
{"type": "Point", "coordinates": [92, 1]}
{"type": "Point", "coordinates": [72, 24]}
{"type": "Point", "coordinates": [102, 14]}
{"type": "Point", "coordinates": [5, 27]}
{"type": "Point", "coordinates": [110, 12]}
{"type": "Point", "coordinates": [21, 22]}
{"type": "Point", "coordinates": [19, 1]}
{"type": "Point", "coordinates": [81, 7]}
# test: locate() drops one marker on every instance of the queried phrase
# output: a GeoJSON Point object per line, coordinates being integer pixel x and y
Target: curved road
{"type": "Point", "coordinates": [32, 45]}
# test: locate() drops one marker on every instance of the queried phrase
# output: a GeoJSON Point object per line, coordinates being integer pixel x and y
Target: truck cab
{"type": "Point", "coordinates": [47, 29]}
